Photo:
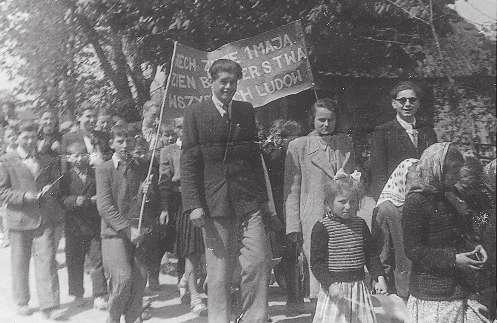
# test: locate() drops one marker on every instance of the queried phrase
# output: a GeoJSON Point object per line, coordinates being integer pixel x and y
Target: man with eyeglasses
{"type": "Point", "coordinates": [399, 139]}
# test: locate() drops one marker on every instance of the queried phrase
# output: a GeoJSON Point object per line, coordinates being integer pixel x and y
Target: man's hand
{"type": "Point", "coordinates": [45, 191]}
{"type": "Point", "coordinates": [164, 217]}
{"type": "Point", "coordinates": [340, 174]}
{"type": "Point", "coordinates": [198, 217]}
{"type": "Point", "coordinates": [81, 200]}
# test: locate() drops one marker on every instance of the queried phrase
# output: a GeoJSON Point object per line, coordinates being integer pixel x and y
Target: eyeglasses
{"type": "Point", "coordinates": [403, 101]}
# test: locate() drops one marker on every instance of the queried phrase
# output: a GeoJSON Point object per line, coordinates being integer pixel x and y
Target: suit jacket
{"type": "Point", "coordinates": [221, 169]}
{"type": "Point", "coordinates": [16, 179]}
{"type": "Point", "coordinates": [169, 177]}
{"type": "Point", "coordinates": [307, 169]}
{"type": "Point", "coordinates": [391, 145]}
{"type": "Point", "coordinates": [119, 197]}
{"type": "Point", "coordinates": [80, 220]}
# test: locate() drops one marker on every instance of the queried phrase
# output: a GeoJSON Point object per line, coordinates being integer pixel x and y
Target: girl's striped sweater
{"type": "Point", "coordinates": [340, 248]}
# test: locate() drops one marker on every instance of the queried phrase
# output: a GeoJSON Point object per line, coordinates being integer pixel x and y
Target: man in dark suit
{"type": "Point", "coordinates": [399, 139]}
{"type": "Point", "coordinates": [222, 185]}
{"type": "Point", "coordinates": [29, 190]}
{"type": "Point", "coordinates": [119, 196]}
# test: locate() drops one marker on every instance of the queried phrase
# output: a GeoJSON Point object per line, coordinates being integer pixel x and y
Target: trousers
{"type": "Point", "coordinates": [228, 242]}
{"type": "Point", "coordinates": [40, 244]}
{"type": "Point", "coordinates": [77, 248]}
{"type": "Point", "coordinates": [127, 279]}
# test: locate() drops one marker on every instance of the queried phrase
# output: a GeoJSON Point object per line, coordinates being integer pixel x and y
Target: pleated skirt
{"type": "Point", "coordinates": [345, 302]}
{"type": "Point", "coordinates": [188, 237]}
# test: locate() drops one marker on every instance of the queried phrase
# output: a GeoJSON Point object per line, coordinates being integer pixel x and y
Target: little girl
{"type": "Point", "coordinates": [341, 244]}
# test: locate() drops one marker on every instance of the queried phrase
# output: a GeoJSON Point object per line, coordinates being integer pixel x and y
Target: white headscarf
{"type": "Point", "coordinates": [395, 190]}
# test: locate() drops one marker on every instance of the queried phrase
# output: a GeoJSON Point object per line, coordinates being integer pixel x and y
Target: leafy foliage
{"type": "Point", "coordinates": [109, 51]}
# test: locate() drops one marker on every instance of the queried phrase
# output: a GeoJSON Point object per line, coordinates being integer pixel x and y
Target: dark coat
{"type": "Point", "coordinates": [119, 197]}
{"type": "Point", "coordinates": [391, 145]}
{"type": "Point", "coordinates": [16, 179]}
{"type": "Point", "coordinates": [80, 220]}
{"type": "Point", "coordinates": [221, 172]}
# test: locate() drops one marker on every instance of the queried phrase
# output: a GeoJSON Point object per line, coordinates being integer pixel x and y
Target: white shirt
{"type": "Point", "coordinates": [411, 131]}
{"type": "Point", "coordinates": [179, 142]}
{"type": "Point", "coordinates": [220, 106]}
{"type": "Point", "coordinates": [88, 144]}
{"type": "Point", "coordinates": [30, 162]}
{"type": "Point", "coordinates": [115, 160]}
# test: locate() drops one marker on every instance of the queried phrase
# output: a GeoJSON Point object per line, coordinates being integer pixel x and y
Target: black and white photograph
{"type": "Point", "coordinates": [248, 161]}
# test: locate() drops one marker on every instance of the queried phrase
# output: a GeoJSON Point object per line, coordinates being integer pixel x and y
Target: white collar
{"type": "Point", "coordinates": [178, 142]}
{"type": "Point", "coordinates": [115, 160]}
{"type": "Point", "coordinates": [406, 125]}
{"type": "Point", "coordinates": [219, 105]}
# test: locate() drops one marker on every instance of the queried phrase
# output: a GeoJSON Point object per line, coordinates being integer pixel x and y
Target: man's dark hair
{"type": "Point", "coordinates": [325, 103]}
{"type": "Point", "coordinates": [406, 85]}
{"type": "Point", "coordinates": [225, 65]}
{"type": "Point", "coordinates": [118, 131]}
{"type": "Point", "coordinates": [27, 126]}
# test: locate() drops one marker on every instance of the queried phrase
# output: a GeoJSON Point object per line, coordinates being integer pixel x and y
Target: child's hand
{"type": "Point", "coordinates": [380, 287]}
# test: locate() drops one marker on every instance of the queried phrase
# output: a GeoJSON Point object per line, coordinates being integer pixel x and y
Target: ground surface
{"type": "Point", "coordinates": [166, 306]}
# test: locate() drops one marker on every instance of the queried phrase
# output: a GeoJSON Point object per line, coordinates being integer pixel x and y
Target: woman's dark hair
{"type": "Point", "coordinates": [325, 103]}
{"type": "Point", "coordinates": [225, 65]}
{"type": "Point", "coordinates": [406, 85]}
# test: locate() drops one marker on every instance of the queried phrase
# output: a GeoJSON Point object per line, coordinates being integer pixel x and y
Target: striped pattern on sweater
{"type": "Point", "coordinates": [345, 243]}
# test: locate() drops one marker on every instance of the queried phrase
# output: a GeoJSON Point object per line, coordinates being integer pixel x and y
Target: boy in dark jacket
{"type": "Point", "coordinates": [82, 227]}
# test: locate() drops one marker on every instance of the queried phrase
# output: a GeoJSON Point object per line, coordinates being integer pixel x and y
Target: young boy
{"type": "Point", "coordinates": [29, 189]}
{"type": "Point", "coordinates": [119, 196]}
{"type": "Point", "coordinates": [82, 227]}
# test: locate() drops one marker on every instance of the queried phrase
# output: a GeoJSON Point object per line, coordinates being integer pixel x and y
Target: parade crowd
{"type": "Point", "coordinates": [227, 199]}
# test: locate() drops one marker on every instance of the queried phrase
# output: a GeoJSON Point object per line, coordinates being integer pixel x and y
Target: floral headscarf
{"type": "Point", "coordinates": [430, 168]}
{"type": "Point", "coordinates": [395, 190]}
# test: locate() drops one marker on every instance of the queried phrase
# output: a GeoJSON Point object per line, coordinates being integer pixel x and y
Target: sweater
{"type": "Point", "coordinates": [339, 250]}
{"type": "Point", "coordinates": [432, 239]}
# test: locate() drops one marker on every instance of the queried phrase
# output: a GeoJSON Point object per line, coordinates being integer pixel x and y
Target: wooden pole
{"type": "Point", "coordinates": [157, 133]}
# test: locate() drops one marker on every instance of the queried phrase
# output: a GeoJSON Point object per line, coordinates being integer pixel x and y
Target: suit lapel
{"type": "Point", "coordinates": [403, 138]}
{"type": "Point", "coordinates": [319, 157]}
{"type": "Point", "coordinates": [44, 166]}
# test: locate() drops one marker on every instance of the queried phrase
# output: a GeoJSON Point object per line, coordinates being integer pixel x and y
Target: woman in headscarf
{"type": "Point", "coordinates": [387, 226]}
{"type": "Point", "coordinates": [433, 238]}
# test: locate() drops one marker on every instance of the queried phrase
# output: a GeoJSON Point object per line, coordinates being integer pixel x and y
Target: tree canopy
{"type": "Point", "coordinates": [109, 51]}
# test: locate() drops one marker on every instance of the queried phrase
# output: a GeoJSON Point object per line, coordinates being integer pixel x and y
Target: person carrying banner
{"type": "Point", "coordinates": [223, 188]}
{"type": "Point", "coordinates": [310, 162]}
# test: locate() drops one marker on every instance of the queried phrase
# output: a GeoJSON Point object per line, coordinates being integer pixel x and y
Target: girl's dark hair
{"type": "Point", "coordinates": [225, 65]}
{"type": "Point", "coordinates": [406, 85]}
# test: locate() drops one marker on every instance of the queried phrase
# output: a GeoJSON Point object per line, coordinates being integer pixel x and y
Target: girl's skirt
{"type": "Point", "coordinates": [455, 311]}
{"type": "Point", "coordinates": [345, 302]}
